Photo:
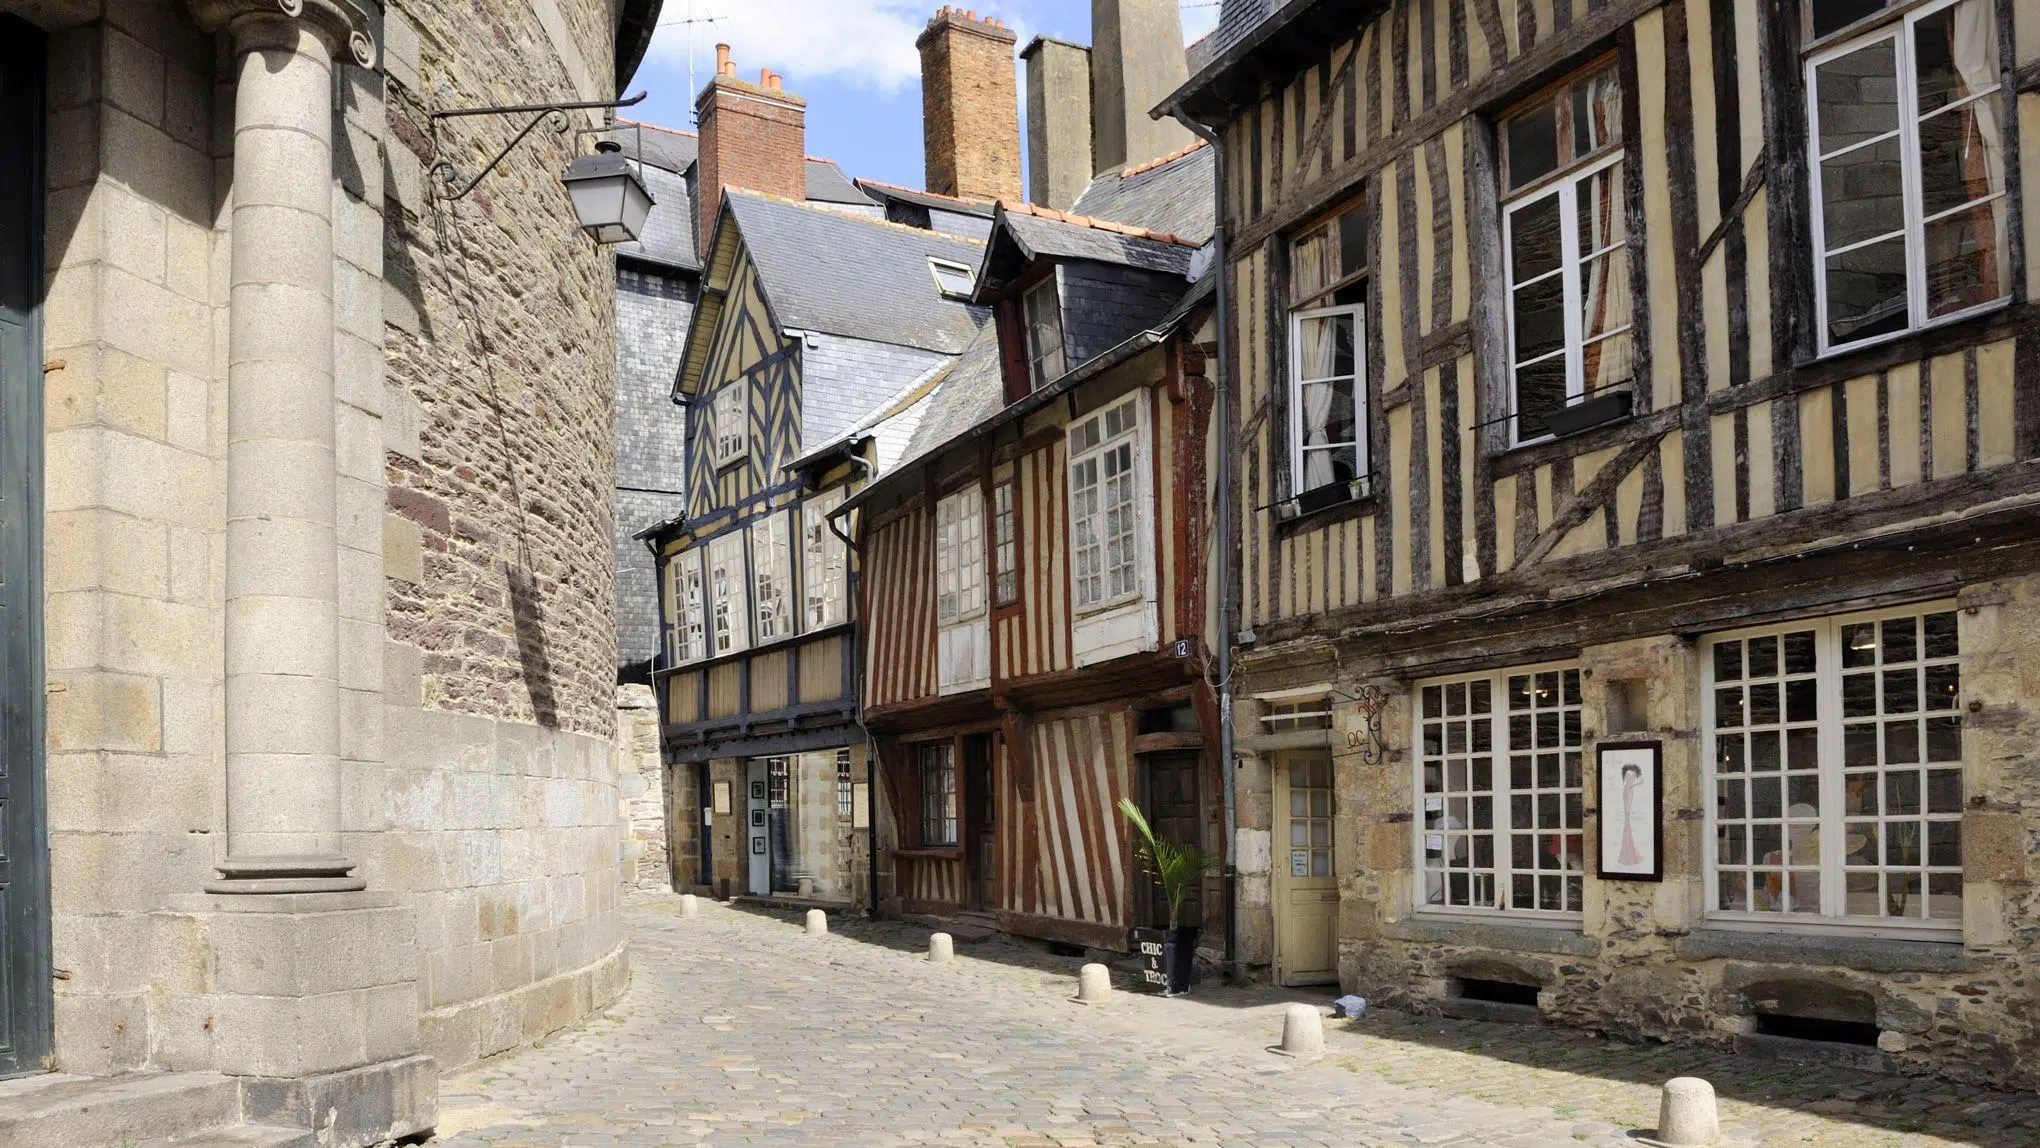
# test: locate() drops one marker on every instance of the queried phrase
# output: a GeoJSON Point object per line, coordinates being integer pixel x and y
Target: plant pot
{"type": "Point", "coordinates": [1589, 413]}
{"type": "Point", "coordinates": [1179, 957]}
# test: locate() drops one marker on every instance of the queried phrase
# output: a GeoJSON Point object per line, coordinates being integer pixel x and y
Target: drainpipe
{"type": "Point", "coordinates": [857, 691]}
{"type": "Point", "coordinates": [1228, 773]}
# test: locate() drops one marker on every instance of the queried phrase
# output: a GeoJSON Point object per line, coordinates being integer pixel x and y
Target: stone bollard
{"type": "Point", "coordinates": [1686, 1115]}
{"type": "Point", "coordinates": [1094, 985]}
{"type": "Point", "coordinates": [940, 948]}
{"type": "Point", "coordinates": [1303, 1031]}
{"type": "Point", "coordinates": [688, 906]}
{"type": "Point", "coordinates": [817, 923]}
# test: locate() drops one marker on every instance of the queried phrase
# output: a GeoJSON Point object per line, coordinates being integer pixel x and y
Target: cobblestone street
{"type": "Point", "coordinates": [739, 1029]}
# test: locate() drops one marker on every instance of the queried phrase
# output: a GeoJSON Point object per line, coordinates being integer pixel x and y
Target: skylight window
{"type": "Point", "coordinates": [954, 279]}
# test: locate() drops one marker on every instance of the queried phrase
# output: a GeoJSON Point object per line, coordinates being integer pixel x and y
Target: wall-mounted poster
{"type": "Point", "coordinates": [1631, 800]}
{"type": "Point", "coordinates": [722, 797]}
{"type": "Point", "coordinates": [860, 805]}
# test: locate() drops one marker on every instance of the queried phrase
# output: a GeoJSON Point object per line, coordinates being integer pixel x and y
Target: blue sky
{"type": "Point", "coordinates": [853, 60]}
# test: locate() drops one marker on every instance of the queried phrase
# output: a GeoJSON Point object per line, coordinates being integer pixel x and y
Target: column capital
{"type": "Point", "coordinates": [339, 20]}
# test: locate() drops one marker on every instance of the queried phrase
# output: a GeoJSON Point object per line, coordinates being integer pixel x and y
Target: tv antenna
{"type": "Point", "coordinates": [689, 21]}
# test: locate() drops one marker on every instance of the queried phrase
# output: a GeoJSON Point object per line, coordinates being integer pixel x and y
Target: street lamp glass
{"type": "Point", "coordinates": [610, 201]}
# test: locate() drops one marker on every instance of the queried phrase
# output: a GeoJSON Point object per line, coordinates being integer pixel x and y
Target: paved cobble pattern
{"type": "Point", "coordinates": [740, 1029]}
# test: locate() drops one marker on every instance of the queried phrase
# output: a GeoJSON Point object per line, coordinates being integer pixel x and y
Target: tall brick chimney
{"type": "Point", "coordinates": [1136, 59]}
{"type": "Point", "coordinates": [970, 111]}
{"type": "Point", "coordinates": [753, 136]}
{"type": "Point", "coordinates": [1058, 121]}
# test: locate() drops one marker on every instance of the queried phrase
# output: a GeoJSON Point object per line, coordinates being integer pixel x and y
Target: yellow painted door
{"type": "Point", "coordinates": [1306, 890]}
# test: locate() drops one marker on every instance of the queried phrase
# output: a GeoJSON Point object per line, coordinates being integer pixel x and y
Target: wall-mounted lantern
{"type": "Point", "coordinates": [609, 199]}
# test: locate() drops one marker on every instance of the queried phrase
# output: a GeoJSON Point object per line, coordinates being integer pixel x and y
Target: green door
{"type": "Point", "coordinates": [24, 841]}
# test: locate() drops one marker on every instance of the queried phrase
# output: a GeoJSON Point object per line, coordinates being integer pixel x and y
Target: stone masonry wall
{"type": "Point", "coordinates": [640, 787]}
{"type": "Point", "coordinates": [1643, 960]}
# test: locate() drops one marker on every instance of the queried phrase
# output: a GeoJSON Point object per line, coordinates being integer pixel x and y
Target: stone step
{"type": "Point", "coordinates": [247, 1136]}
{"type": "Point", "coordinates": [115, 1111]}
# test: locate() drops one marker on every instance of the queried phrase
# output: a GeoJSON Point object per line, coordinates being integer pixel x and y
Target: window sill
{"type": "Point", "coordinates": [1540, 936]}
{"type": "Point", "coordinates": [1336, 513]}
{"type": "Point", "coordinates": [1775, 945]}
{"type": "Point", "coordinates": [933, 853]}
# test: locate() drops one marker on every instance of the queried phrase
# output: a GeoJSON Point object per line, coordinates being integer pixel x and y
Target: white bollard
{"type": "Point", "coordinates": [1686, 1115]}
{"type": "Point", "coordinates": [817, 923]}
{"type": "Point", "coordinates": [1303, 1031]}
{"type": "Point", "coordinates": [940, 948]}
{"type": "Point", "coordinates": [1094, 985]}
{"type": "Point", "coordinates": [688, 906]}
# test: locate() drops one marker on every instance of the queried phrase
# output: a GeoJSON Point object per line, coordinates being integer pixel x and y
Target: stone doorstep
{"type": "Point", "coordinates": [211, 1110]}
{"type": "Point", "coordinates": [116, 1111]}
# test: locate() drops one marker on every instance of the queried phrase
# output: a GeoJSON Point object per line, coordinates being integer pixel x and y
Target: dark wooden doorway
{"type": "Point", "coordinates": [980, 825]}
{"type": "Point", "coordinates": [1172, 799]}
{"type": "Point", "coordinates": [24, 844]}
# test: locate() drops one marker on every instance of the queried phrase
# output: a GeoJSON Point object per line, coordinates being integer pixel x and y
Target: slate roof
{"type": "Point", "coordinates": [669, 227]}
{"type": "Point", "coordinates": [1039, 232]}
{"type": "Point", "coordinates": [668, 148]}
{"type": "Point", "coordinates": [885, 191]}
{"type": "Point", "coordinates": [843, 380]}
{"type": "Point", "coordinates": [826, 183]}
{"type": "Point", "coordinates": [843, 274]}
{"type": "Point", "coordinates": [972, 391]}
{"type": "Point", "coordinates": [1236, 18]}
{"type": "Point", "coordinates": [1170, 195]}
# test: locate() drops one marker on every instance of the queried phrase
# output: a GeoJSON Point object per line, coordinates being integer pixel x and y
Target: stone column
{"type": "Point", "coordinates": [282, 687]}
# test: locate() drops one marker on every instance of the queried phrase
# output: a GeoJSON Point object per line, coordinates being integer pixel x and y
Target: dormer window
{"type": "Point", "coordinates": [954, 280]}
{"type": "Point", "coordinates": [1043, 309]}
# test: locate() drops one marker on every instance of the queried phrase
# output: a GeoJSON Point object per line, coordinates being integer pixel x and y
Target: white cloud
{"type": "Point", "coordinates": [861, 41]}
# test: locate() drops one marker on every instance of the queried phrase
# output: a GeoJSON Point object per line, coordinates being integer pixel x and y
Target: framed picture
{"type": "Point", "coordinates": [722, 797]}
{"type": "Point", "coordinates": [757, 791]}
{"type": "Point", "coordinates": [757, 817]}
{"type": "Point", "coordinates": [1631, 799]}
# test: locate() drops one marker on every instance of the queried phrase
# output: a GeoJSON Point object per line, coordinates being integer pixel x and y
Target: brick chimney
{"type": "Point", "coordinates": [970, 111]}
{"type": "Point", "coordinates": [1136, 59]}
{"type": "Point", "coordinates": [1058, 121]}
{"type": "Point", "coordinates": [753, 136]}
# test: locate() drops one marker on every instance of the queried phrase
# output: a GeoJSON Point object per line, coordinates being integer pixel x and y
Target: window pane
{"type": "Point", "coordinates": [1535, 244]}
{"type": "Point", "coordinates": [1325, 346]}
{"type": "Point", "coordinates": [1309, 271]}
{"type": "Point", "coordinates": [1867, 291]}
{"type": "Point", "coordinates": [1968, 260]}
{"type": "Point", "coordinates": [1961, 156]}
{"type": "Point", "coordinates": [1955, 54]}
{"type": "Point", "coordinates": [1352, 241]}
{"type": "Point", "coordinates": [1861, 194]}
{"type": "Point", "coordinates": [1832, 15]}
{"type": "Point", "coordinates": [1328, 413]}
{"type": "Point", "coordinates": [1596, 112]}
{"type": "Point", "coordinates": [1857, 95]}
{"type": "Point", "coordinates": [1532, 142]}
{"type": "Point", "coordinates": [1540, 389]}
{"type": "Point", "coordinates": [1323, 465]}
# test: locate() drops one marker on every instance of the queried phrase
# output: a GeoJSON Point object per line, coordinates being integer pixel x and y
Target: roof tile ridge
{"type": "Point", "coordinates": [1161, 161]}
{"type": "Point", "coordinates": [808, 205]}
{"type": "Point", "coordinates": [1095, 223]}
{"type": "Point", "coordinates": [659, 127]}
{"type": "Point", "coordinates": [924, 191]}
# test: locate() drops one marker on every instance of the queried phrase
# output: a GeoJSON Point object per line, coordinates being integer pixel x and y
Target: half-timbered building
{"type": "Point", "coordinates": [1035, 573]}
{"type": "Point", "coordinates": [1631, 383]}
{"type": "Point", "coordinates": [818, 333]}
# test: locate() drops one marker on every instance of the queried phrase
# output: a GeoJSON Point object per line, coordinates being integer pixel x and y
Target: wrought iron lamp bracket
{"type": "Point", "coordinates": [1370, 701]}
{"type": "Point", "coordinates": [556, 114]}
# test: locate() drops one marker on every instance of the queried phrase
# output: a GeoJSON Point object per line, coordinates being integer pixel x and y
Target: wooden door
{"type": "Point", "coordinates": [980, 831]}
{"type": "Point", "coordinates": [1175, 810]}
{"type": "Point", "coordinates": [24, 846]}
{"type": "Point", "coordinates": [1306, 885]}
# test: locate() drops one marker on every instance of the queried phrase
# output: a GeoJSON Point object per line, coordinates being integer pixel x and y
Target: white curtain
{"type": "Point", "coordinates": [1972, 39]}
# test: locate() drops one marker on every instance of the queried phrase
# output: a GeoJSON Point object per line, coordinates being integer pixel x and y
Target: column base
{"type": "Point", "coordinates": [295, 873]}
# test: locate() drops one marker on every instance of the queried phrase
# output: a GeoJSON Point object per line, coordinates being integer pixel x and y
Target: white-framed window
{"type": "Point", "coordinates": [729, 421]}
{"type": "Point", "coordinates": [1565, 254]}
{"type": "Point", "coordinates": [824, 563]}
{"type": "Point", "coordinates": [689, 598]}
{"type": "Point", "coordinates": [1327, 351]}
{"type": "Point", "coordinates": [1905, 125]}
{"type": "Point", "coordinates": [1499, 790]}
{"type": "Point", "coordinates": [954, 280]}
{"type": "Point", "coordinates": [1041, 307]}
{"type": "Point", "coordinates": [772, 576]}
{"type": "Point", "coordinates": [963, 641]}
{"type": "Point", "coordinates": [938, 795]}
{"type": "Point", "coordinates": [1301, 713]}
{"type": "Point", "coordinates": [1106, 511]}
{"type": "Point", "coordinates": [1834, 772]}
{"type": "Point", "coordinates": [846, 786]}
{"type": "Point", "coordinates": [1005, 547]}
{"type": "Point", "coordinates": [729, 628]}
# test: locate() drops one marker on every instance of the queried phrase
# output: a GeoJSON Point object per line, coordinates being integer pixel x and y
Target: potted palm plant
{"type": "Point", "coordinates": [1178, 867]}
